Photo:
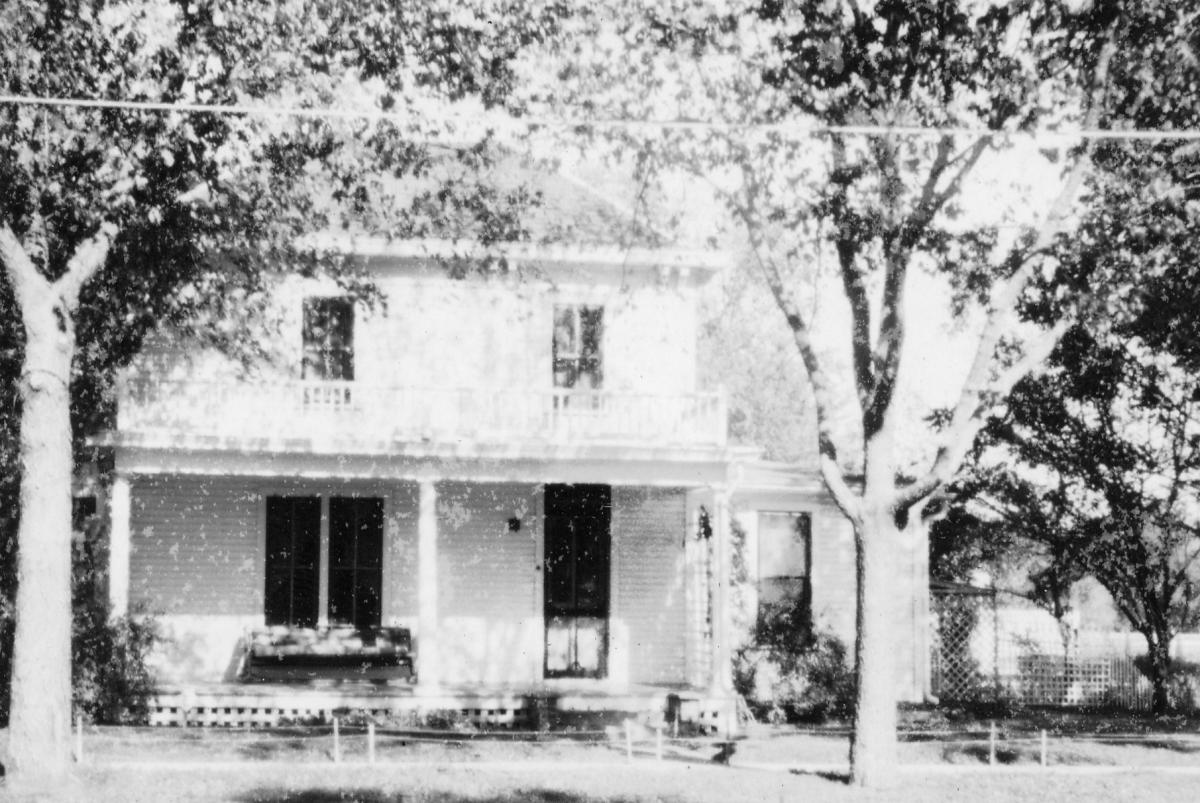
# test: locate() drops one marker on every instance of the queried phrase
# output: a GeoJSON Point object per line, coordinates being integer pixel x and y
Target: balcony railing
{"type": "Point", "coordinates": [349, 412]}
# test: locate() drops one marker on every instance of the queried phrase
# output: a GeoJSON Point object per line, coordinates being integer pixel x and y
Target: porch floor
{"type": "Point", "coordinates": [551, 705]}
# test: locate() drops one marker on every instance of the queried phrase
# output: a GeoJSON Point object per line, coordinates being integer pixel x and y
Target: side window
{"type": "Point", "coordinates": [578, 357]}
{"type": "Point", "coordinates": [784, 558]}
{"type": "Point", "coordinates": [328, 339]}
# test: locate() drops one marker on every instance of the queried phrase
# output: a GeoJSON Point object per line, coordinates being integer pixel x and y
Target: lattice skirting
{"type": "Point", "coordinates": [231, 709]}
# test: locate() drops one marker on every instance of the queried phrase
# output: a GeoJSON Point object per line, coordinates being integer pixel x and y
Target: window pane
{"type": "Point", "coordinates": [566, 336]}
{"type": "Point", "coordinates": [341, 596]}
{"type": "Point", "coordinates": [307, 527]}
{"type": "Point", "coordinates": [592, 319]}
{"type": "Point", "coordinates": [305, 600]}
{"type": "Point", "coordinates": [591, 364]}
{"type": "Point", "coordinates": [774, 591]}
{"type": "Point", "coordinates": [783, 545]}
{"type": "Point", "coordinates": [277, 598]}
{"type": "Point", "coordinates": [367, 607]}
{"type": "Point", "coordinates": [341, 532]}
{"type": "Point", "coordinates": [328, 339]}
{"type": "Point", "coordinates": [578, 344]}
{"type": "Point", "coordinates": [370, 532]}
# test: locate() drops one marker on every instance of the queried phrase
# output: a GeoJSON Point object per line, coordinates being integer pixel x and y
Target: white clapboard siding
{"type": "Point", "coordinates": [488, 603]}
{"type": "Point", "coordinates": [649, 597]}
{"type": "Point", "coordinates": [196, 546]}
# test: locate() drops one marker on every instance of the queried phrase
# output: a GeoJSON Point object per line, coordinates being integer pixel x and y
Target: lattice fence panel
{"type": "Point", "coordinates": [963, 662]}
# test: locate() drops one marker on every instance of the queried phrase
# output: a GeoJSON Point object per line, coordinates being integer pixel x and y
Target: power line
{"type": "Point", "coordinates": [791, 127]}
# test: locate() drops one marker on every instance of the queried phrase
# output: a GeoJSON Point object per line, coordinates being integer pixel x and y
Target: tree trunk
{"type": "Point", "coordinates": [39, 724]}
{"type": "Point", "coordinates": [873, 745]}
{"type": "Point", "coordinates": [1159, 654]}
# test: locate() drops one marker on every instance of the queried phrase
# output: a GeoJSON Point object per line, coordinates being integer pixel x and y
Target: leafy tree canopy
{"type": "Point", "coordinates": [848, 138]}
{"type": "Point", "coordinates": [114, 220]}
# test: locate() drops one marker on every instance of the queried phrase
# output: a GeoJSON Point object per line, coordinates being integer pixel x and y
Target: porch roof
{"type": "Point", "coordinates": [614, 465]}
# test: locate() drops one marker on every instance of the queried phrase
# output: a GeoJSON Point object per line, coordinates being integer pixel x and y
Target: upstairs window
{"type": "Point", "coordinates": [328, 339]}
{"type": "Point", "coordinates": [578, 334]}
{"type": "Point", "coordinates": [784, 560]}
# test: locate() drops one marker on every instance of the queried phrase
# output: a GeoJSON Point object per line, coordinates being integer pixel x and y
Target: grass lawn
{"type": "Point", "coordinates": [571, 783]}
{"type": "Point", "coordinates": [1087, 763]}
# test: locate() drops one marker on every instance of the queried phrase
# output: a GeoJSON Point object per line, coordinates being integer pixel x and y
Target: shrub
{"type": "Point", "coordinates": [792, 673]}
{"type": "Point", "coordinates": [111, 681]}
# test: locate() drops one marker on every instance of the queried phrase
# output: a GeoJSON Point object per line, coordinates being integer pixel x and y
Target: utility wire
{"type": "Point", "coordinates": [792, 127]}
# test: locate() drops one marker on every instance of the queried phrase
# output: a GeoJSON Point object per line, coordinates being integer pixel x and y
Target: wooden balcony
{"type": "Point", "coordinates": [343, 414]}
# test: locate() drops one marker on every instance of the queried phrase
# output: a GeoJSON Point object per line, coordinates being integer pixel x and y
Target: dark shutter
{"type": "Point", "coordinates": [293, 560]}
{"type": "Point", "coordinates": [355, 560]}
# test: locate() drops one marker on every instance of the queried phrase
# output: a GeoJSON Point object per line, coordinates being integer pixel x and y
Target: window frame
{"type": "Point", "coordinates": [583, 355]}
{"type": "Point", "coordinates": [327, 351]}
{"type": "Point", "coordinates": [785, 586]}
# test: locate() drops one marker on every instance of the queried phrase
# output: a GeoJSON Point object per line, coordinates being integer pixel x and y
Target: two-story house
{"type": "Point", "coordinates": [516, 467]}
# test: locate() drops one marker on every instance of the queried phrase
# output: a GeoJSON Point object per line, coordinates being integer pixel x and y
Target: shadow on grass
{"type": "Point", "coordinates": [980, 753]}
{"type": "Point", "coordinates": [825, 775]}
{"type": "Point", "coordinates": [375, 796]}
{"type": "Point", "coordinates": [274, 749]}
{"type": "Point", "coordinates": [1154, 744]}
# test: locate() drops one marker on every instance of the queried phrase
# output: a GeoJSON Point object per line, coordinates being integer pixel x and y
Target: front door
{"type": "Point", "coordinates": [577, 579]}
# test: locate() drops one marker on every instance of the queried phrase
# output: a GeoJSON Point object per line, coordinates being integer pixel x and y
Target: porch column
{"type": "Point", "coordinates": [118, 545]}
{"type": "Point", "coordinates": [428, 672]}
{"type": "Point", "coordinates": [722, 630]}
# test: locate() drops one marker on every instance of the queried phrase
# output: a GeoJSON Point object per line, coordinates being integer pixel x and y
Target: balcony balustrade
{"type": "Point", "coordinates": [345, 413]}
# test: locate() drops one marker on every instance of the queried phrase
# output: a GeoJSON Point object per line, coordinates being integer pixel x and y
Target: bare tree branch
{"type": "Point", "coordinates": [29, 286]}
{"type": "Point", "coordinates": [819, 379]}
{"type": "Point", "coordinates": [979, 389]}
{"type": "Point", "coordinates": [85, 263]}
{"type": "Point", "coordinates": [853, 279]}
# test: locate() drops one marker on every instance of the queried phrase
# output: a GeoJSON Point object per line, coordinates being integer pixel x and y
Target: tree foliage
{"type": "Point", "coordinates": [1096, 467]}
{"type": "Point", "coordinates": [116, 221]}
{"type": "Point", "coordinates": [893, 93]}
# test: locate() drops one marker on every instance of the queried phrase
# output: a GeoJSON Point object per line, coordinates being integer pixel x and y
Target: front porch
{"type": "Point", "coordinates": [550, 705]}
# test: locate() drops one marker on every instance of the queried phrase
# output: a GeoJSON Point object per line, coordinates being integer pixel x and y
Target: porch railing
{"type": "Point", "coordinates": [352, 411]}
